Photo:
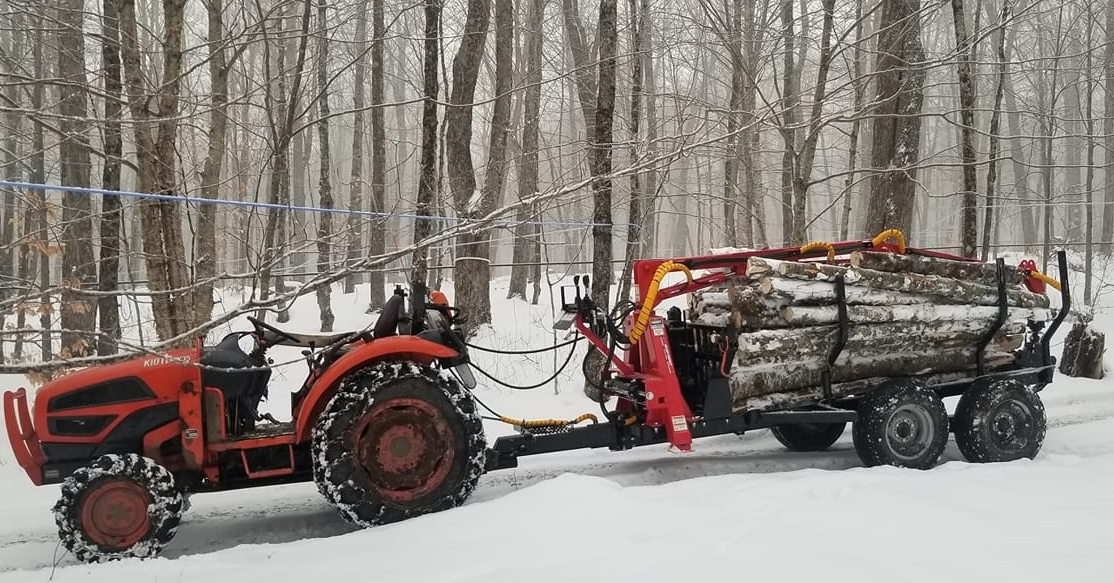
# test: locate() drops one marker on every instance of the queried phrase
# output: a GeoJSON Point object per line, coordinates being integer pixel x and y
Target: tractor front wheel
{"type": "Point", "coordinates": [118, 507]}
{"type": "Point", "coordinates": [397, 440]}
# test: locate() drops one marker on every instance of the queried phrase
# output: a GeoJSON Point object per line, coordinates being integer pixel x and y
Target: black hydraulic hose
{"type": "Point", "coordinates": [560, 370]}
{"type": "Point", "coordinates": [522, 352]}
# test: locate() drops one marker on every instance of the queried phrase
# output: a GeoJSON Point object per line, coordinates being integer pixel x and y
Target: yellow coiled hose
{"type": "Point", "coordinates": [643, 319]}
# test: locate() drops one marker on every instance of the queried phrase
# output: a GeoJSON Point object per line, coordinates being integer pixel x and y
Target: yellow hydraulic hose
{"type": "Point", "coordinates": [651, 294]}
{"type": "Point", "coordinates": [895, 234]}
{"type": "Point", "coordinates": [816, 245]}
{"type": "Point", "coordinates": [1042, 277]}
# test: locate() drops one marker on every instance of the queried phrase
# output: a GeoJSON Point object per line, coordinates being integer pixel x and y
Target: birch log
{"type": "Point", "coordinates": [753, 381]}
{"type": "Point", "coordinates": [932, 285]}
{"type": "Point", "coordinates": [975, 271]}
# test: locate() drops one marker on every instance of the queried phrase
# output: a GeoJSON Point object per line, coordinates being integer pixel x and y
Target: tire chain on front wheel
{"type": "Point", "coordinates": [331, 454]}
{"type": "Point", "coordinates": [164, 514]}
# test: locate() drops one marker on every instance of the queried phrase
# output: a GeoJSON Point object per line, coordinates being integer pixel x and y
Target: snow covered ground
{"type": "Point", "coordinates": [739, 508]}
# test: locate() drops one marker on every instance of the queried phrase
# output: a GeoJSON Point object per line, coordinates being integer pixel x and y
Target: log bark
{"type": "Point", "coordinates": [743, 307]}
{"type": "Point", "coordinates": [823, 293]}
{"type": "Point", "coordinates": [754, 381]}
{"type": "Point", "coordinates": [814, 343]}
{"type": "Point", "coordinates": [819, 315]}
{"type": "Point", "coordinates": [977, 272]}
{"type": "Point", "coordinates": [940, 287]}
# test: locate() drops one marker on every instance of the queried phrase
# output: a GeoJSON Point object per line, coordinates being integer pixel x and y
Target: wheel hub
{"type": "Point", "coordinates": [1010, 425]}
{"type": "Point", "coordinates": [404, 447]}
{"type": "Point", "coordinates": [909, 431]}
{"type": "Point", "coordinates": [115, 513]}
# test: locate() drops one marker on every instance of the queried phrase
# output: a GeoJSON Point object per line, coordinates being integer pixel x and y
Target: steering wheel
{"type": "Point", "coordinates": [277, 335]}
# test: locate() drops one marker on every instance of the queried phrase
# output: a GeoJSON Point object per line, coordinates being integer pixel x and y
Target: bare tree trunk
{"type": "Point", "coordinates": [38, 176]}
{"type": "Point", "coordinates": [283, 109]}
{"type": "Point", "coordinates": [754, 217]}
{"type": "Point", "coordinates": [650, 178]}
{"type": "Point", "coordinates": [427, 182]}
{"type": "Point", "coordinates": [1107, 232]}
{"type": "Point", "coordinates": [205, 243]}
{"type": "Point", "coordinates": [355, 224]}
{"type": "Point", "coordinates": [995, 119]}
{"type": "Point", "coordinates": [378, 242]}
{"type": "Point", "coordinates": [802, 175]}
{"type": "Point", "coordinates": [601, 156]}
{"type": "Point", "coordinates": [1089, 186]}
{"type": "Point", "coordinates": [790, 100]}
{"type": "Point", "coordinates": [78, 266]}
{"type": "Point", "coordinates": [155, 142]}
{"type": "Point", "coordinates": [859, 84]}
{"type": "Point", "coordinates": [13, 269]}
{"type": "Point", "coordinates": [583, 68]}
{"type": "Point", "coordinates": [471, 281]}
{"type": "Point", "coordinates": [969, 228]}
{"type": "Point", "coordinates": [111, 212]}
{"type": "Point", "coordinates": [734, 40]}
{"type": "Point", "coordinates": [634, 213]}
{"type": "Point", "coordinates": [496, 171]}
{"type": "Point", "coordinates": [1047, 144]}
{"type": "Point", "coordinates": [526, 244]}
{"type": "Point", "coordinates": [1017, 155]}
{"type": "Point", "coordinates": [897, 125]}
{"type": "Point", "coordinates": [324, 181]}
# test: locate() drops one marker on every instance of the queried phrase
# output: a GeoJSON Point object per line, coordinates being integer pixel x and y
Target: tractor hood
{"type": "Point", "coordinates": [131, 380]}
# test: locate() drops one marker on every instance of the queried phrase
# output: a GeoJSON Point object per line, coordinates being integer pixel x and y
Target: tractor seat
{"type": "Point", "coordinates": [311, 340]}
{"type": "Point", "coordinates": [386, 325]}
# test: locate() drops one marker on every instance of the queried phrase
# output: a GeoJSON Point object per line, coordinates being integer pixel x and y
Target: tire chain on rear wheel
{"type": "Point", "coordinates": [976, 445]}
{"type": "Point", "coordinates": [876, 409]}
{"type": "Point", "coordinates": [330, 452]}
{"type": "Point", "coordinates": [164, 513]}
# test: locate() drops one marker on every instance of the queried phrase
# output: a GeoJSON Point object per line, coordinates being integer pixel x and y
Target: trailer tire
{"type": "Point", "coordinates": [808, 436]}
{"type": "Point", "coordinates": [903, 424]}
{"type": "Point", "coordinates": [397, 440]}
{"type": "Point", "coordinates": [120, 506]}
{"type": "Point", "coordinates": [999, 420]}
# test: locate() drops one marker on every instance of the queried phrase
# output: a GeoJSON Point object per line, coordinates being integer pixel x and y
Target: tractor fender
{"type": "Point", "coordinates": [391, 348]}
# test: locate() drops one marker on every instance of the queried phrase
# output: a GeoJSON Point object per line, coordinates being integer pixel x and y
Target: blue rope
{"type": "Point", "coordinates": [272, 206]}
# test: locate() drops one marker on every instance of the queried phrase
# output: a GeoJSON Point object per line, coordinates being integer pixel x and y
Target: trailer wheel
{"type": "Point", "coordinates": [118, 507]}
{"type": "Point", "coordinates": [902, 423]}
{"type": "Point", "coordinates": [999, 420]}
{"type": "Point", "coordinates": [396, 441]}
{"type": "Point", "coordinates": [808, 436]}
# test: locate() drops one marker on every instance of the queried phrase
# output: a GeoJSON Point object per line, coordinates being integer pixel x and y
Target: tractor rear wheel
{"type": "Point", "coordinates": [902, 423]}
{"type": "Point", "coordinates": [999, 420]}
{"type": "Point", "coordinates": [118, 507]}
{"type": "Point", "coordinates": [808, 436]}
{"type": "Point", "coordinates": [396, 441]}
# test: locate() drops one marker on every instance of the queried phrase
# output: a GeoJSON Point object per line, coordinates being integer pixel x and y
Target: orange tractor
{"type": "Point", "coordinates": [384, 425]}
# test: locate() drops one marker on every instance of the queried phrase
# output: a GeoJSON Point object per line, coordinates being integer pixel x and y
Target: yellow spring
{"type": "Point", "coordinates": [651, 294]}
{"type": "Point", "coordinates": [897, 236]}
{"type": "Point", "coordinates": [816, 245]}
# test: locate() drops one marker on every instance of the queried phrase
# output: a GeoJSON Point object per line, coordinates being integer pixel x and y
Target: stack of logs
{"type": "Point", "coordinates": [908, 314]}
